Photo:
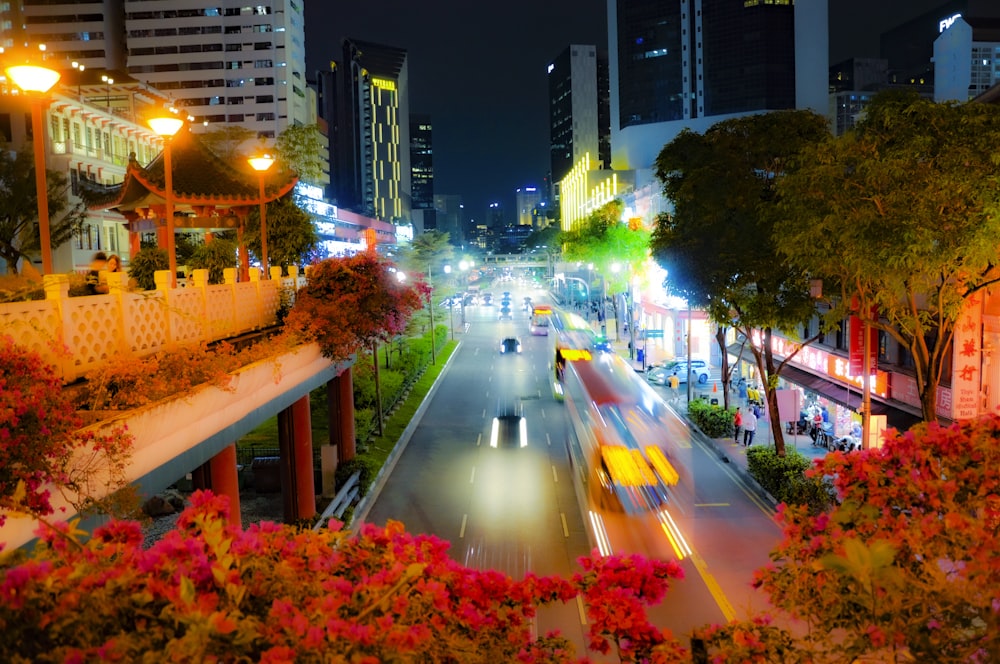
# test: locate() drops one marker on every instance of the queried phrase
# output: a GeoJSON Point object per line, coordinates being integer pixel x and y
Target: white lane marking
{"type": "Point", "coordinates": [543, 413]}
{"type": "Point", "coordinates": [583, 612]}
{"type": "Point", "coordinates": [562, 517]}
{"type": "Point", "coordinates": [461, 531]}
{"type": "Point", "coordinates": [479, 439]}
{"type": "Point", "coordinates": [548, 441]}
{"type": "Point", "coordinates": [473, 477]}
{"type": "Point", "coordinates": [555, 477]}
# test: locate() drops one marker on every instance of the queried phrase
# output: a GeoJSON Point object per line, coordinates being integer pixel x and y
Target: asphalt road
{"type": "Point", "coordinates": [512, 507]}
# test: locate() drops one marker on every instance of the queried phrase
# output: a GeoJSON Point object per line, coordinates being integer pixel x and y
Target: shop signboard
{"type": "Point", "coordinates": [966, 368]}
{"type": "Point", "coordinates": [856, 352]}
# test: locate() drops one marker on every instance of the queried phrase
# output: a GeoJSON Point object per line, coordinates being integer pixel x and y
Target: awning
{"type": "Point", "coordinates": [847, 396]}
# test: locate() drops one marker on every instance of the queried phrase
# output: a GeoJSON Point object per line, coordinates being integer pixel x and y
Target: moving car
{"type": "Point", "coordinates": [510, 346]}
{"type": "Point", "coordinates": [660, 373]}
{"type": "Point", "coordinates": [505, 313]}
{"type": "Point", "coordinates": [509, 428]}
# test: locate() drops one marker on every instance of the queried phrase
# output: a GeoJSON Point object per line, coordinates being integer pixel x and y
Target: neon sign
{"type": "Point", "coordinates": [945, 23]}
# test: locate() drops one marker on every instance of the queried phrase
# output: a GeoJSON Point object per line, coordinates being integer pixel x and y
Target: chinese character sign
{"type": "Point", "coordinates": [967, 365]}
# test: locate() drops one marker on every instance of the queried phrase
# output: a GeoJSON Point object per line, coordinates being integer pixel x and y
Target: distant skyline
{"type": "Point", "coordinates": [478, 69]}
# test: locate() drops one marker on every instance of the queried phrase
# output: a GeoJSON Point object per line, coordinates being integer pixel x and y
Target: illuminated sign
{"type": "Point", "coordinates": [573, 354]}
{"type": "Point", "coordinates": [945, 23]}
{"type": "Point", "coordinates": [627, 467]}
{"type": "Point", "coordinates": [821, 362]}
{"type": "Point", "coordinates": [384, 83]}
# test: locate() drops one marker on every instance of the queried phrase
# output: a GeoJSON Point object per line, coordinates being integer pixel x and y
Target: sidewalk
{"type": "Point", "coordinates": [728, 450]}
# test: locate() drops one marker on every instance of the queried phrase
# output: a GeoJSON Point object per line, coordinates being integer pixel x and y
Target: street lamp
{"type": "Point", "coordinates": [430, 307]}
{"type": "Point", "coordinates": [451, 306]}
{"type": "Point", "coordinates": [36, 82]}
{"type": "Point", "coordinates": [261, 164]}
{"type": "Point", "coordinates": [167, 126]}
{"type": "Point", "coordinates": [107, 96]}
{"type": "Point", "coordinates": [79, 67]}
{"type": "Point", "coordinates": [464, 266]}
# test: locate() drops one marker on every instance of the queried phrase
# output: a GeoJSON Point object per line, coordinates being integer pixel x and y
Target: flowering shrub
{"type": "Point", "coordinates": [41, 445]}
{"type": "Point", "coordinates": [905, 566]}
{"type": "Point", "coordinates": [353, 302]}
{"type": "Point", "coordinates": [211, 592]}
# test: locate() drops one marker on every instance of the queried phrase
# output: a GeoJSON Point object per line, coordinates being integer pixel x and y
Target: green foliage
{"type": "Point", "coordinates": [300, 149]}
{"type": "Point", "coordinates": [228, 142]}
{"type": "Point", "coordinates": [214, 256]}
{"type": "Point", "coordinates": [145, 263]}
{"type": "Point", "coordinates": [888, 214]}
{"type": "Point", "coordinates": [291, 235]}
{"type": "Point", "coordinates": [785, 479]}
{"type": "Point", "coordinates": [356, 465]}
{"type": "Point", "coordinates": [604, 240]}
{"type": "Point", "coordinates": [19, 234]}
{"type": "Point", "coordinates": [714, 421]}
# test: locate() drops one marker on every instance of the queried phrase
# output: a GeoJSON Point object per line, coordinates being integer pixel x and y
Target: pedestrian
{"type": "Point", "coordinates": [675, 382]}
{"type": "Point", "coordinates": [737, 425]}
{"type": "Point", "coordinates": [92, 281]}
{"type": "Point", "coordinates": [749, 427]}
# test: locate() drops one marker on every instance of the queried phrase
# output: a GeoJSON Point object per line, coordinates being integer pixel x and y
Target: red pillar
{"type": "Point", "coordinates": [225, 481]}
{"type": "Point", "coordinates": [340, 406]}
{"type": "Point", "coordinates": [298, 489]}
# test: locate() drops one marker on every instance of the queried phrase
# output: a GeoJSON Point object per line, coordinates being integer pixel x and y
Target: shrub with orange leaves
{"type": "Point", "coordinates": [352, 302]}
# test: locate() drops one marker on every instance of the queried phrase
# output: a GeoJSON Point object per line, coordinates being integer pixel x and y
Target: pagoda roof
{"type": "Point", "coordinates": [202, 182]}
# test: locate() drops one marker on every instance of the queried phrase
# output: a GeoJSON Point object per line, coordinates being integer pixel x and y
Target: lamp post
{"type": "Point", "coordinates": [463, 266]}
{"type": "Point", "coordinates": [451, 306]}
{"type": "Point", "coordinates": [430, 307]}
{"type": "Point", "coordinates": [108, 82]}
{"type": "Point", "coordinates": [261, 164]}
{"type": "Point", "coordinates": [79, 67]}
{"type": "Point", "coordinates": [36, 82]}
{"type": "Point", "coordinates": [167, 126]}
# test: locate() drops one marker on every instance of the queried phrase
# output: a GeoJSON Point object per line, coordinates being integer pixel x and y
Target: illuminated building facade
{"type": "Point", "coordinates": [367, 106]}
{"type": "Point", "coordinates": [240, 65]}
{"type": "Point", "coordinates": [527, 200]}
{"type": "Point", "coordinates": [422, 172]}
{"type": "Point", "coordinates": [579, 111]}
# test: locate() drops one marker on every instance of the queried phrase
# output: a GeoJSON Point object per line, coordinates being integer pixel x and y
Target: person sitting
{"type": "Point", "coordinates": [92, 282]}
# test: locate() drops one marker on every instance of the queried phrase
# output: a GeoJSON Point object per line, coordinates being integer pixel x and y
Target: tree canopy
{"type": "Point", "coordinates": [890, 214]}
{"type": "Point", "coordinates": [718, 245]}
{"type": "Point", "coordinates": [350, 303]}
{"type": "Point", "coordinates": [603, 240]}
{"type": "Point", "coordinates": [19, 234]}
{"type": "Point", "coordinates": [291, 236]}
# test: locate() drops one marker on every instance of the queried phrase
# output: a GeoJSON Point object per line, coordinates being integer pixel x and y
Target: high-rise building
{"type": "Point", "coordinates": [966, 56]}
{"type": "Point", "coordinates": [366, 102]}
{"type": "Point", "coordinates": [693, 63]}
{"type": "Point", "coordinates": [422, 161]}
{"type": "Point", "coordinates": [579, 111]}
{"type": "Point", "coordinates": [527, 200]}
{"type": "Point", "coordinates": [225, 65]}
{"type": "Point", "coordinates": [449, 215]}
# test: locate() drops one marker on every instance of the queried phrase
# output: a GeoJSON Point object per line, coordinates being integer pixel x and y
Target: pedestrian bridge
{"type": "Point", "coordinates": [194, 432]}
{"type": "Point", "coordinates": [521, 260]}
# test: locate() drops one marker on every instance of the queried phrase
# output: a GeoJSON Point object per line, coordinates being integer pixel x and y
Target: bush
{"type": "Point", "coordinates": [713, 421]}
{"type": "Point", "coordinates": [215, 257]}
{"type": "Point", "coordinates": [785, 480]}
{"type": "Point", "coordinates": [146, 262]}
{"type": "Point", "coordinates": [347, 468]}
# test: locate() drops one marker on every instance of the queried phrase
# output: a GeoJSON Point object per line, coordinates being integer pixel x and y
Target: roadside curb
{"type": "Point", "coordinates": [739, 469]}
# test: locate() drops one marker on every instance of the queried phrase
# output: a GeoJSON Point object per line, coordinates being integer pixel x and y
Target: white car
{"type": "Point", "coordinates": [660, 373]}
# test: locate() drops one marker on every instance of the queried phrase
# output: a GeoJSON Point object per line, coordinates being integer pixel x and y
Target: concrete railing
{"type": "Point", "coordinates": [80, 334]}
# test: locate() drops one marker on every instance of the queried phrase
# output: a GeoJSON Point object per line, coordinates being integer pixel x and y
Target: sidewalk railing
{"type": "Point", "coordinates": [79, 334]}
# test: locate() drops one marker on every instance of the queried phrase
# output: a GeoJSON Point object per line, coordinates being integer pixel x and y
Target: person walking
{"type": "Point", "coordinates": [737, 426]}
{"type": "Point", "coordinates": [749, 427]}
{"type": "Point", "coordinates": [674, 382]}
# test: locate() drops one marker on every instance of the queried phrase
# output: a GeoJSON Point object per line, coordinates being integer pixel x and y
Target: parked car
{"type": "Point", "coordinates": [660, 373]}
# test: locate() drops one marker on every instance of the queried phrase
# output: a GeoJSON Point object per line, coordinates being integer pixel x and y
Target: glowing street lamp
{"type": "Point", "coordinates": [167, 126]}
{"type": "Point", "coordinates": [261, 164]}
{"type": "Point", "coordinates": [451, 306]}
{"type": "Point", "coordinates": [36, 82]}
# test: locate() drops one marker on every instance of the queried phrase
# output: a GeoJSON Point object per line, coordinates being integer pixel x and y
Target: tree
{"type": "Point", "coordinates": [904, 567]}
{"type": "Point", "coordinates": [890, 216]}
{"type": "Point", "coordinates": [19, 234]}
{"type": "Point", "coordinates": [291, 237]}
{"type": "Point", "coordinates": [300, 149]}
{"type": "Point", "coordinates": [350, 303]}
{"type": "Point", "coordinates": [604, 241]}
{"type": "Point", "coordinates": [718, 246]}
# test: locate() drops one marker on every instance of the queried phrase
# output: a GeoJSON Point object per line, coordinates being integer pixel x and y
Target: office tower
{"type": "Point", "coordinates": [422, 162]}
{"type": "Point", "coordinates": [366, 103]}
{"type": "Point", "coordinates": [579, 113]}
{"type": "Point", "coordinates": [692, 63]}
{"type": "Point", "coordinates": [527, 199]}
{"type": "Point", "coordinates": [450, 217]}
{"type": "Point", "coordinates": [223, 63]}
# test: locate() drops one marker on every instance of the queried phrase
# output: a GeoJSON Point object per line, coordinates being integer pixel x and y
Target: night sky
{"type": "Point", "coordinates": [478, 68]}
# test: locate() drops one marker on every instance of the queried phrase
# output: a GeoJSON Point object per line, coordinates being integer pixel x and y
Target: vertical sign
{"type": "Point", "coordinates": [966, 368]}
{"type": "Point", "coordinates": [856, 348]}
